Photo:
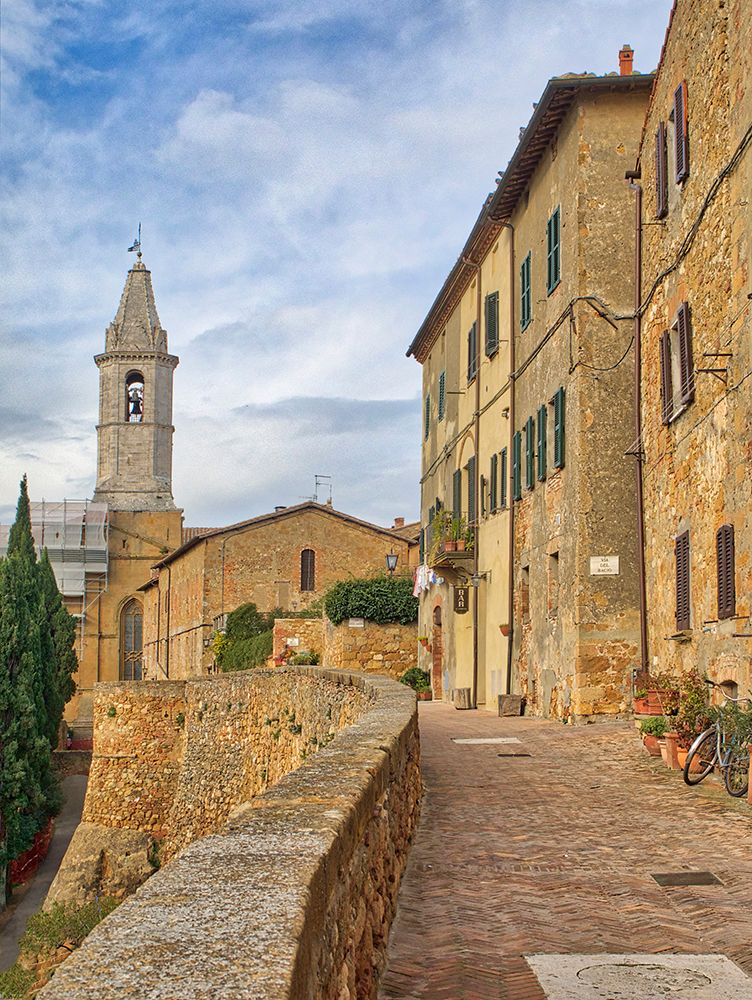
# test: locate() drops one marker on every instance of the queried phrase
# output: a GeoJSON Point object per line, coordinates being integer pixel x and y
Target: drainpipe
{"type": "Point", "coordinates": [632, 176]}
{"type": "Point", "coordinates": [476, 533]}
{"type": "Point", "coordinates": [169, 603]}
{"type": "Point", "coordinates": [510, 612]}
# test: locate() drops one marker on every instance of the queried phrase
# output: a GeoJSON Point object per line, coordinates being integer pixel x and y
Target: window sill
{"type": "Point", "coordinates": [678, 413]}
{"type": "Point", "coordinates": [492, 354]}
{"type": "Point", "coordinates": [524, 326]}
{"type": "Point", "coordinates": [552, 289]}
{"type": "Point", "coordinates": [684, 636]}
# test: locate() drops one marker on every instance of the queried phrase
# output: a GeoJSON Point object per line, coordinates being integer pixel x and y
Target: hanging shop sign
{"type": "Point", "coordinates": [461, 600]}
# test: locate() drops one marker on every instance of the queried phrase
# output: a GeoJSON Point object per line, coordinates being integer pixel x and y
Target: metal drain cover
{"type": "Point", "coordinates": [514, 753]}
{"type": "Point", "coordinates": [640, 977]}
{"type": "Point", "coordinates": [686, 878]}
{"type": "Point", "coordinates": [483, 740]}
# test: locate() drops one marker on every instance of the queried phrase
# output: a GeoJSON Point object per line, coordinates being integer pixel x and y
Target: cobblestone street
{"type": "Point", "coordinates": [554, 853]}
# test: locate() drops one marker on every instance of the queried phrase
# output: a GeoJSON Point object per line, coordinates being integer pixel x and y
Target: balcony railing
{"type": "Point", "coordinates": [449, 539]}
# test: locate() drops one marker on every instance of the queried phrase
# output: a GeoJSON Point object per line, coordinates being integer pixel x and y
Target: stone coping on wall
{"type": "Point", "coordinates": [258, 911]}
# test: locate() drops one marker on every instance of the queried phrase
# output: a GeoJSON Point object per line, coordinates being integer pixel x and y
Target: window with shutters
{"type": "Point", "coordinates": [529, 453]}
{"type": "Point", "coordinates": [681, 133]}
{"type": "Point", "coordinates": [526, 302]}
{"type": "Point", "coordinates": [307, 570]}
{"type": "Point", "coordinates": [470, 474]}
{"type": "Point", "coordinates": [661, 172]}
{"type": "Point", "coordinates": [553, 251]}
{"type": "Point", "coordinates": [503, 479]}
{"type": "Point", "coordinates": [681, 549]}
{"type": "Point", "coordinates": [493, 484]}
{"type": "Point", "coordinates": [492, 324]}
{"type": "Point", "coordinates": [558, 403]}
{"type": "Point", "coordinates": [457, 493]}
{"type": "Point", "coordinates": [677, 366]}
{"type": "Point", "coordinates": [442, 395]}
{"type": "Point", "coordinates": [472, 352]}
{"type": "Point", "coordinates": [517, 466]}
{"type": "Point", "coordinates": [724, 554]}
{"type": "Point", "coordinates": [542, 430]}
{"type": "Point", "coordinates": [427, 417]}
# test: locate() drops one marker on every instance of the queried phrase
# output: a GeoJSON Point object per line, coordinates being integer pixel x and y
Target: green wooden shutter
{"type": "Point", "coordinates": [503, 478]}
{"type": "Point", "coordinates": [553, 251]}
{"type": "Point", "coordinates": [427, 417]}
{"type": "Point", "coordinates": [442, 395]}
{"type": "Point", "coordinates": [529, 453]}
{"type": "Point", "coordinates": [542, 414]}
{"type": "Point", "coordinates": [422, 545]}
{"type": "Point", "coordinates": [525, 297]}
{"type": "Point", "coordinates": [516, 466]}
{"type": "Point", "coordinates": [471, 509]}
{"type": "Point", "coordinates": [559, 414]}
{"type": "Point", "coordinates": [457, 493]}
{"type": "Point", "coordinates": [492, 323]}
{"type": "Point", "coordinates": [472, 352]}
{"type": "Point", "coordinates": [493, 479]}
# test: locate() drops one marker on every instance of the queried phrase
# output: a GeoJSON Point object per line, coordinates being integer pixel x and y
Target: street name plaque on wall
{"type": "Point", "coordinates": [604, 565]}
{"type": "Point", "coordinates": [356, 623]}
{"type": "Point", "coordinates": [461, 600]}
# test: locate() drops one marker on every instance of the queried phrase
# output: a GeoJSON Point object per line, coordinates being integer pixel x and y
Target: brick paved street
{"type": "Point", "coordinates": [553, 853]}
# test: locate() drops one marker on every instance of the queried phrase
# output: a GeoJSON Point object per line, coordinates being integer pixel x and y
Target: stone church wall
{"type": "Point", "coordinates": [295, 897]}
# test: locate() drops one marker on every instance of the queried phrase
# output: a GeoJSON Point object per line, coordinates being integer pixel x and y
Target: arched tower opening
{"type": "Point", "coordinates": [134, 398]}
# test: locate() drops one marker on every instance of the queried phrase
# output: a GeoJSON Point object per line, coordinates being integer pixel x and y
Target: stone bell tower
{"type": "Point", "coordinates": [134, 433]}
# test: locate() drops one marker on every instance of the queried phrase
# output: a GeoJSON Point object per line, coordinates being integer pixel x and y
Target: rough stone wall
{"type": "Point", "coordinates": [378, 649]}
{"type": "Point", "coordinates": [576, 635]}
{"type": "Point", "coordinates": [697, 468]}
{"type": "Point", "coordinates": [309, 633]}
{"type": "Point", "coordinates": [171, 759]}
{"type": "Point", "coordinates": [295, 898]}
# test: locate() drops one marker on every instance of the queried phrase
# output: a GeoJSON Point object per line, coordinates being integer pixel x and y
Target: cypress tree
{"type": "Point", "coordinates": [59, 638]}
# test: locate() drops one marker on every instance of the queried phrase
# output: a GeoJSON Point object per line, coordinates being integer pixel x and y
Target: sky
{"type": "Point", "coordinates": [305, 175]}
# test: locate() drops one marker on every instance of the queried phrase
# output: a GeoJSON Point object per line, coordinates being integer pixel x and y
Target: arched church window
{"type": "Point", "coordinates": [307, 569]}
{"type": "Point", "coordinates": [131, 641]}
{"type": "Point", "coordinates": [134, 398]}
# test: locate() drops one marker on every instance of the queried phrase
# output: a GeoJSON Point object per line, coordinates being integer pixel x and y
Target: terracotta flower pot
{"type": "Point", "coordinates": [651, 745]}
{"type": "Point", "coordinates": [460, 543]}
{"type": "Point", "coordinates": [672, 746]}
{"type": "Point", "coordinates": [450, 546]}
{"type": "Point", "coordinates": [424, 695]}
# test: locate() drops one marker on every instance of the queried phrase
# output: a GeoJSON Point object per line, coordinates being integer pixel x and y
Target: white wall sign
{"type": "Point", "coordinates": [357, 623]}
{"type": "Point", "coordinates": [604, 565]}
{"type": "Point", "coordinates": [293, 641]}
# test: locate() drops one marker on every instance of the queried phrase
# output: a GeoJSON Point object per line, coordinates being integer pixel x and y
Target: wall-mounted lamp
{"type": "Point", "coordinates": [505, 413]}
{"type": "Point", "coordinates": [391, 561]}
{"type": "Point", "coordinates": [477, 577]}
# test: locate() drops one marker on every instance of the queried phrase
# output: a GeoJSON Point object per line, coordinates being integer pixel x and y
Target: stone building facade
{"type": "Point", "coordinates": [528, 395]}
{"type": "Point", "coordinates": [695, 171]}
{"type": "Point", "coordinates": [286, 559]}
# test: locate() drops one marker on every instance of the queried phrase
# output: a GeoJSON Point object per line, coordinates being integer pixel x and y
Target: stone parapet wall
{"type": "Point", "coordinates": [378, 649]}
{"type": "Point", "coordinates": [295, 897]}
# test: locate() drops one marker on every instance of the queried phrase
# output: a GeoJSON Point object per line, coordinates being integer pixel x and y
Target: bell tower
{"type": "Point", "coordinates": [134, 433]}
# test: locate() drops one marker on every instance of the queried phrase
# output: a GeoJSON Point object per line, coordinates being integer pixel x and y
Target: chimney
{"type": "Point", "coordinates": [399, 522]}
{"type": "Point", "coordinates": [626, 55]}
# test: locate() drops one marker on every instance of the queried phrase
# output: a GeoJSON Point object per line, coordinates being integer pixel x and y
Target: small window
{"type": "Point", "coordinates": [529, 453]}
{"type": "Point", "coordinates": [516, 466]}
{"type": "Point", "coordinates": [427, 417]}
{"type": "Point", "coordinates": [677, 366]}
{"type": "Point", "coordinates": [661, 172]}
{"type": "Point", "coordinates": [472, 352]}
{"type": "Point", "coordinates": [131, 641]}
{"type": "Point", "coordinates": [134, 398]}
{"type": "Point", "coordinates": [493, 483]}
{"type": "Point", "coordinates": [442, 395]}
{"type": "Point", "coordinates": [681, 551]}
{"type": "Point", "coordinates": [492, 324]}
{"type": "Point", "coordinates": [553, 585]}
{"type": "Point", "coordinates": [503, 478]}
{"type": "Point", "coordinates": [542, 415]}
{"type": "Point", "coordinates": [525, 595]}
{"type": "Point", "coordinates": [558, 404]}
{"type": "Point", "coordinates": [553, 251]}
{"type": "Point", "coordinates": [724, 552]}
{"type": "Point", "coordinates": [681, 133]}
{"type": "Point", "coordinates": [526, 302]}
{"type": "Point", "coordinates": [307, 570]}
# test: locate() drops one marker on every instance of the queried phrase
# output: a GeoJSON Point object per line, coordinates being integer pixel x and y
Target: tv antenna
{"type": "Point", "coordinates": [326, 482]}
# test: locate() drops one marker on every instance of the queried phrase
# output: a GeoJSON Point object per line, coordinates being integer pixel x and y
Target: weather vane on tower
{"type": "Point", "coordinates": [136, 244]}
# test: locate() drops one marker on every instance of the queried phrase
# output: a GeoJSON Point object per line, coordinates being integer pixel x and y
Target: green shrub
{"type": "Point", "coordinates": [247, 621]}
{"type": "Point", "coordinates": [244, 654]}
{"type": "Point", "coordinates": [417, 679]}
{"type": "Point", "coordinates": [380, 599]}
{"type": "Point", "coordinates": [304, 658]}
{"type": "Point", "coordinates": [656, 725]}
{"type": "Point", "coordinates": [16, 982]}
{"type": "Point", "coordinates": [695, 713]}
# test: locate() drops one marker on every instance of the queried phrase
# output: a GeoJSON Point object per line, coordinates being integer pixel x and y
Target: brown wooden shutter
{"type": "Point", "coordinates": [681, 135]}
{"type": "Point", "coordinates": [667, 391]}
{"type": "Point", "coordinates": [686, 364]}
{"type": "Point", "coordinates": [682, 581]}
{"type": "Point", "coordinates": [661, 172]}
{"type": "Point", "coordinates": [724, 550]}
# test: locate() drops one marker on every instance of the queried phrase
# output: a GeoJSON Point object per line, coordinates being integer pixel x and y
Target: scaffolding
{"type": "Point", "coordinates": [74, 532]}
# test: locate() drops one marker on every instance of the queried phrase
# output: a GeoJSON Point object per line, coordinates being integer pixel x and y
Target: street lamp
{"type": "Point", "coordinates": [391, 561]}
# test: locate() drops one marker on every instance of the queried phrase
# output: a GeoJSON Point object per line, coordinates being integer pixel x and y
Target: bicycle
{"type": "Point", "coordinates": [721, 745]}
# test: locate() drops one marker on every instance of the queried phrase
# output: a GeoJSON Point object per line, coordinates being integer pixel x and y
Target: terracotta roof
{"type": "Point", "coordinates": [189, 533]}
{"type": "Point", "coordinates": [410, 532]}
{"type": "Point", "coordinates": [276, 515]}
{"type": "Point", "coordinates": [549, 113]}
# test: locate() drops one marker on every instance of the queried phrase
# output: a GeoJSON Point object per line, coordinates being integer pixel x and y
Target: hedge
{"type": "Point", "coordinates": [381, 599]}
{"type": "Point", "coordinates": [243, 654]}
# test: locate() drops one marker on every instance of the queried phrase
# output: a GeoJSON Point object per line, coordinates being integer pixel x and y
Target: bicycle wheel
{"type": "Point", "coordinates": [736, 771]}
{"type": "Point", "coordinates": [701, 758]}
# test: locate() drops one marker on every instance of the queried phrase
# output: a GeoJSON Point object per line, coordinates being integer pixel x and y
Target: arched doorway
{"type": "Point", "coordinates": [131, 641]}
{"type": "Point", "coordinates": [437, 647]}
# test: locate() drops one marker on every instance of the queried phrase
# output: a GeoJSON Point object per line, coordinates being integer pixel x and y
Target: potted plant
{"type": "Point", "coordinates": [419, 680]}
{"type": "Point", "coordinates": [458, 533]}
{"type": "Point", "coordinates": [652, 730]}
{"type": "Point", "coordinates": [423, 640]}
{"type": "Point", "coordinates": [657, 695]}
{"type": "Point", "coordinates": [694, 711]}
